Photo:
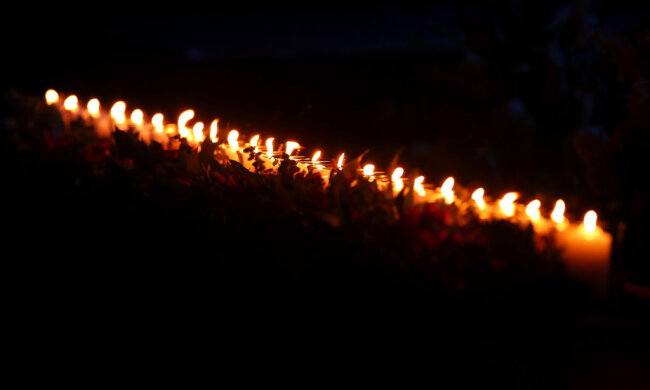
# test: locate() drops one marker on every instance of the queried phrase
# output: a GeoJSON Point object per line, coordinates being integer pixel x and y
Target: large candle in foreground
{"type": "Point", "coordinates": [586, 250]}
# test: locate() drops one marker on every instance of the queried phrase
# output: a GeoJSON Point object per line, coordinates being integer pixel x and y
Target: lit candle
{"type": "Point", "coordinates": [586, 252]}
{"type": "Point", "coordinates": [159, 134]}
{"type": "Point", "coordinates": [118, 114]}
{"type": "Point", "coordinates": [396, 179]}
{"type": "Point", "coordinates": [447, 190]}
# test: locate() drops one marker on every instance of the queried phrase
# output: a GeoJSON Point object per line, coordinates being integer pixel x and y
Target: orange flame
{"type": "Point", "coordinates": [368, 170]}
{"type": "Point", "coordinates": [315, 157]}
{"type": "Point", "coordinates": [233, 139]}
{"type": "Point", "coordinates": [589, 222]}
{"type": "Point", "coordinates": [183, 118]}
{"type": "Point", "coordinates": [558, 212]}
{"type": "Point", "coordinates": [339, 164]}
{"type": "Point", "coordinates": [157, 122]}
{"type": "Point", "coordinates": [532, 209]}
{"type": "Point", "coordinates": [197, 131]}
{"type": "Point", "coordinates": [396, 178]}
{"type": "Point", "coordinates": [117, 112]}
{"type": "Point", "coordinates": [71, 103]}
{"type": "Point", "coordinates": [447, 190]}
{"type": "Point", "coordinates": [477, 196]}
{"type": "Point", "coordinates": [214, 129]}
{"type": "Point", "coordinates": [137, 117]}
{"type": "Point", "coordinates": [291, 146]}
{"type": "Point", "coordinates": [51, 97]}
{"type": "Point", "coordinates": [418, 185]}
{"type": "Point", "coordinates": [93, 107]}
{"type": "Point", "coordinates": [269, 147]}
{"type": "Point", "coordinates": [507, 203]}
{"type": "Point", "coordinates": [254, 141]}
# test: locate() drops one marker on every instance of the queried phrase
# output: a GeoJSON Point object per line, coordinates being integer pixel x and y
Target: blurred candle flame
{"type": "Point", "coordinates": [197, 131]}
{"type": "Point", "coordinates": [589, 222]}
{"type": "Point", "coordinates": [70, 103]}
{"type": "Point", "coordinates": [558, 212]}
{"type": "Point", "coordinates": [269, 147]}
{"type": "Point", "coordinates": [368, 170]}
{"type": "Point", "coordinates": [254, 141]}
{"type": "Point", "coordinates": [183, 118]}
{"type": "Point", "coordinates": [507, 203]}
{"type": "Point", "coordinates": [418, 185]}
{"type": "Point", "coordinates": [339, 163]}
{"type": "Point", "coordinates": [532, 210]}
{"type": "Point", "coordinates": [137, 117]}
{"type": "Point", "coordinates": [157, 122]}
{"type": "Point", "coordinates": [291, 146]}
{"type": "Point", "coordinates": [477, 196]}
{"type": "Point", "coordinates": [396, 178]}
{"type": "Point", "coordinates": [51, 97]}
{"type": "Point", "coordinates": [117, 112]}
{"type": "Point", "coordinates": [315, 157]}
{"type": "Point", "coordinates": [214, 129]}
{"type": "Point", "coordinates": [447, 190]}
{"type": "Point", "coordinates": [233, 139]}
{"type": "Point", "coordinates": [93, 107]}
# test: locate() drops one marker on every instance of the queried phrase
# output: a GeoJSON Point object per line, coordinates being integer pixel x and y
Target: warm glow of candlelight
{"type": "Point", "coordinates": [117, 112]}
{"type": "Point", "coordinates": [339, 163]}
{"type": "Point", "coordinates": [51, 97]}
{"type": "Point", "coordinates": [157, 122]}
{"type": "Point", "coordinates": [532, 210]}
{"type": "Point", "coordinates": [507, 203]}
{"type": "Point", "coordinates": [447, 190]}
{"type": "Point", "coordinates": [214, 129]}
{"type": "Point", "coordinates": [93, 107]}
{"type": "Point", "coordinates": [418, 185]}
{"type": "Point", "coordinates": [183, 118]}
{"type": "Point", "coordinates": [558, 212]}
{"type": "Point", "coordinates": [137, 117]}
{"type": "Point", "coordinates": [368, 170]}
{"type": "Point", "coordinates": [291, 146]}
{"type": "Point", "coordinates": [396, 178]}
{"type": "Point", "coordinates": [197, 131]}
{"type": "Point", "coordinates": [233, 139]}
{"type": "Point", "coordinates": [477, 196]}
{"type": "Point", "coordinates": [315, 157]}
{"type": "Point", "coordinates": [269, 147]}
{"type": "Point", "coordinates": [254, 141]}
{"type": "Point", "coordinates": [71, 103]}
{"type": "Point", "coordinates": [589, 222]}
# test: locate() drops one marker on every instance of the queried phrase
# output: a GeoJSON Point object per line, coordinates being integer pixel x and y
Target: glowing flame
{"type": "Point", "coordinates": [197, 131]}
{"type": "Point", "coordinates": [183, 118]}
{"type": "Point", "coordinates": [137, 117]}
{"type": "Point", "coordinates": [339, 164]}
{"type": "Point", "coordinates": [418, 185]}
{"type": "Point", "coordinates": [447, 190]}
{"type": "Point", "coordinates": [233, 141]}
{"type": "Point", "coordinates": [157, 122]}
{"type": "Point", "coordinates": [396, 178]}
{"type": "Point", "coordinates": [477, 196]}
{"type": "Point", "coordinates": [70, 103]}
{"type": "Point", "coordinates": [51, 97]}
{"type": "Point", "coordinates": [269, 147]}
{"type": "Point", "coordinates": [93, 107]}
{"type": "Point", "coordinates": [254, 141]}
{"type": "Point", "coordinates": [507, 203]}
{"type": "Point", "coordinates": [532, 209]}
{"type": "Point", "coordinates": [558, 212]}
{"type": "Point", "coordinates": [117, 112]}
{"type": "Point", "coordinates": [316, 156]}
{"type": "Point", "coordinates": [214, 129]}
{"type": "Point", "coordinates": [590, 221]}
{"type": "Point", "coordinates": [368, 170]}
{"type": "Point", "coordinates": [291, 146]}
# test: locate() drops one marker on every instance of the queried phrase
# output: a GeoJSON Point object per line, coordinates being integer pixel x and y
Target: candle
{"type": "Point", "coordinates": [586, 252]}
{"type": "Point", "coordinates": [447, 190]}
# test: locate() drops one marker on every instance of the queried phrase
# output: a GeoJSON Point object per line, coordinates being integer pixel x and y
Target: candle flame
{"type": "Point", "coordinates": [315, 157]}
{"type": "Point", "coordinates": [368, 170]}
{"type": "Point", "coordinates": [396, 178]}
{"type": "Point", "coordinates": [233, 139]}
{"type": "Point", "coordinates": [291, 146]}
{"type": "Point", "coordinates": [70, 103]}
{"type": "Point", "coordinates": [183, 118]}
{"type": "Point", "coordinates": [157, 122]}
{"type": "Point", "coordinates": [477, 196]}
{"type": "Point", "coordinates": [137, 117]}
{"type": "Point", "coordinates": [418, 185]}
{"type": "Point", "coordinates": [447, 190]}
{"type": "Point", "coordinates": [269, 147]}
{"type": "Point", "coordinates": [214, 129]}
{"type": "Point", "coordinates": [51, 97]}
{"type": "Point", "coordinates": [532, 209]}
{"type": "Point", "coordinates": [197, 131]}
{"type": "Point", "coordinates": [339, 163]}
{"type": "Point", "coordinates": [117, 112]}
{"type": "Point", "coordinates": [507, 203]}
{"type": "Point", "coordinates": [590, 221]}
{"type": "Point", "coordinates": [558, 212]}
{"type": "Point", "coordinates": [254, 141]}
{"type": "Point", "coordinates": [93, 107]}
